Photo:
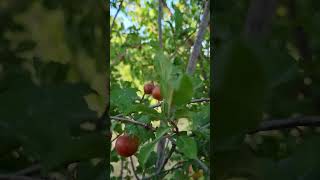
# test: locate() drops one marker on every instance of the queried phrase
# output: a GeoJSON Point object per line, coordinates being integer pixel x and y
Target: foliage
{"type": "Point", "coordinates": [273, 77]}
{"type": "Point", "coordinates": [45, 89]}
{"type": "Point", "coordinates": [136, 59]}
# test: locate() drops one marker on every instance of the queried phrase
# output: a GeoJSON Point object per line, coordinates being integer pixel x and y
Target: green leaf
{"type": "Point", "coordinates": [178, 19]}
{"type": "Point", "coordinates": [240, 84]}
{"type": "Point", "coordinates": [45, 118]}
{"type": "Point", "coordinates": [163, 67]}
{"type": "Point", "coordinates": [145, 119]}
{"type": "Point", "coordinates": [200, 118]}
{"type": "Point", "coordinates": [114, 157]}
{"type": "Point", "coordinates": [87, 170]}
{"type": "Point", "coordinates": [151, 160]}
{"type": "Point", "coordinates": [141, 132]}
{"type": "Point", "coordinates": [137, 108]}
{"type": "Point", "coordinates": [184, 91]}
{"type": "Point", "coordinates": [116, 127]}
{"type": "Point", "coordinates": [183, 112]}
{"type": "Point", "coordinates": [161, 132]}
{"type": "Point", "coordinates": [145, 152]}
{"type": "Point", "coordinates": [123, 98]}
{"type": "Point", "coordinates": [188, 146]}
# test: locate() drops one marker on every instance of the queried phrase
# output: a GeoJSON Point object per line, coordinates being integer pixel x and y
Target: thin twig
{"type": "Point", "coordinates": [156, 105]}
{"type": "Point", "coordinates": [161, 152]}
{"type": "Point", "coordinates": [188, 38]}
{"type": "Point", "coordinates": [176, 129]}
{"type": "Point", "coordinates": [17, 177]}
{"type": "Point", "coordinates": [28, 170]}
{"type": "Point", "coordinates": [161, 143]}
{"type": "Point", "coordinates": [116, 137]}
{"type": "Point", "coordinates": [199, 100]}
{"type": "Point", "coordinates": [160, 24]}
{"type": "Point", "coordinates": [142, 98]}
{"type": "Point", "coordinates": [192, 101]}
{"type": "Point", "coordinates": [113, 21]}
{"type": "Point", "coordinates": [127, 120]}
{"type": "Point", "coordinates": [166, 6]}
{"type": "Point", "coordinates": [176, 166]}
{"type": "Point", "coordinates": [172, 169]}
{"type": "Point", "coordinates": [133, 169]}
{"type": "Point", "coordinates": [163, 164]}
{"type": "Point", "coordinates": [20, 175]}
{"type": "Point", "coordinates": [121, 169]}
{"type": "Point", "coordinates": [197, 45]}
{"type": "Point", "coordinates": [205, 126]}
{"type": "Point", "coordinates": [203, 166]}
{"type": "Point", "coordinates": [279, 124]}
{"type": "Point", "coordinates": [204, 74]}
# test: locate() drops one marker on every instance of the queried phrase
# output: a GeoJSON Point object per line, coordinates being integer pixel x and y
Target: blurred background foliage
{"type": "Point", "coordinates": [265, 77]}
{"type": "Point", "coordinates": [53, 69]}
{"type": "Point", "coordinates": [134, 39]}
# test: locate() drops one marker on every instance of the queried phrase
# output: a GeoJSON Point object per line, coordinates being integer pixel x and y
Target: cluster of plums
{"type": "Point", "coordinates": [127, 145]}
{"type": "Point", "coordinates": [154, 90]}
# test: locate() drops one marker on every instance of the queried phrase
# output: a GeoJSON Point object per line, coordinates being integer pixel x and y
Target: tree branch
{"type": "Point", "coordinates": [203, 166]}
{"type": "Point", "coordinates": [186, 42]}
{"type": "Point", "coordinates": [163, 164]}
{"type": "Point", "coordinates": [197, 45]}
{"type": "Point", "coordinates": [200, 100]}
{"type": "Point", "coordinates": [176, 166]}
{"type": "Point", "coordinates": [160, 152]}
{"type": "Point", "coordinates": [204, 74]}
{"type": "Point", "coordinates": [160, 24]}
{"type": "Point", "coordinates": [28, 170]}
{"type": "Point", "coordinates": [311, 121]}
{"type": "Point", "coordinates": [205, 126]}
{"type": "Point", "coordinates": [192, 101]}
{"type": "Point", "coordinates": [121, 169]}
{"type": "Point", "coordinates": [127, 120]}
{"type": "Point", "coordinates": [113, 21]}
{"type": "Point", "coordinates": [172, 169]}
{"type": "Point", "coordinates": [166, 6]}
{"type": "Point", "coordinates": [133, 169]}
{"type": "Point", "coordinates": [161, 143]}
{"type": "Point", "coordinates": [20, 175]}
{"type": "Point", "coordinates": [17, 177]}
{"type": "Point", "coordinates": [116, 137]}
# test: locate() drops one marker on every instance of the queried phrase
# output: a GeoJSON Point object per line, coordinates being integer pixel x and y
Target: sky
{"type": "Point", "coordinates": [126, 21]}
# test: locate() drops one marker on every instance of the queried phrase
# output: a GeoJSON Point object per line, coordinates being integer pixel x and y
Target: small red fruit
{"type": "Point", "coordinates": [156, 93]}
{"type": "Point", "coordinates": [127, 145]}
{"type": "Point", "coordinates": [148, 88]}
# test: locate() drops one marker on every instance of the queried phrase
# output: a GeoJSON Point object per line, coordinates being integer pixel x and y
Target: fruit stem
{"type": "Point", "coordinates": [142, 97]}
